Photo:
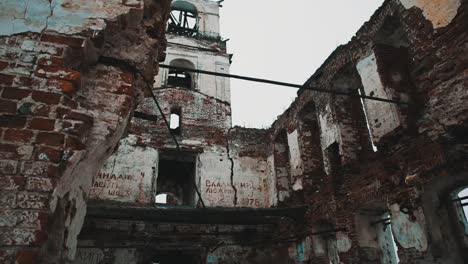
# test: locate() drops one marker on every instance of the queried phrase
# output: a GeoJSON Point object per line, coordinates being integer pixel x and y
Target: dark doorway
{"type": "Point", "coordinates": [176, 178]}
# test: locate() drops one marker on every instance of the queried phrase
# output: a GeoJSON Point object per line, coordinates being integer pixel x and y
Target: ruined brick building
{"type": "Point", "coordinates": [105, 157]}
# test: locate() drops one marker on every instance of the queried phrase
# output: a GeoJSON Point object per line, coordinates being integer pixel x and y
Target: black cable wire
{"type": "Point", "coordinates": [299, 86]}
{"type": "Point", "coordinates": [130, 67]}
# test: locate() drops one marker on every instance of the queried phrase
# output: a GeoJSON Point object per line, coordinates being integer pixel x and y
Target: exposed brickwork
{"type": "Point", "coordinates": [425, 145]}
{"type": "Point", "coordinates": [58, 111]}
{"type": "Point", "coordinates": [63, 111]}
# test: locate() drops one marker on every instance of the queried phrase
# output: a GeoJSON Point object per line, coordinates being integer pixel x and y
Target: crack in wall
{"type": "Point", "coordinates": [232, 166]}
{"type": "Point", "coordinates": [47, 18]}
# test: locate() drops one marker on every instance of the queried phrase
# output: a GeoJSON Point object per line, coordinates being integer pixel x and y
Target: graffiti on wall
{"type": "Point", "coordinates": [128, 175]}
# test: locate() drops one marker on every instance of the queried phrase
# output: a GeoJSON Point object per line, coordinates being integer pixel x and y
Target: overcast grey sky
{"type": "Point", "coordinates": [284, 41]}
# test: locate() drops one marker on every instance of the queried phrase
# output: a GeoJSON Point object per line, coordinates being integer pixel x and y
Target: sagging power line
{"type": "Point", "coordinates": [299, 86]}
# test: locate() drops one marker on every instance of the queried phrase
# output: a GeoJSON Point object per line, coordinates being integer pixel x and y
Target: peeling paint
{"type": "Point", "coordinates": [128, 174]}
{"type": "Point", "coordinates": [409, 230]}
{"type": "Point", "coordinates": [295, 160]}
{"type": "Point", "coordinates": [439, 12]}
{"type": "Point", "coordinates": [62, 16]}
{"type": "Point", "coordinates": [343, 243]}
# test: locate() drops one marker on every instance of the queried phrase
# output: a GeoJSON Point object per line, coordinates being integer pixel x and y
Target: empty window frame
{"type": "Point", "coordinates": [336, 167]}
{"type": "Point", "coordinates": [175, 181]}
{"type": "Point", "coordinates": [375, 235]}
{"type": "Point", "coordinates": [175, 121]}
{"type": "Point", "coordinates": [460, 200]}
{"type": "Point", "coordinates": [183, 19]}
{"type": "Point", "coordinates": [180, 78]}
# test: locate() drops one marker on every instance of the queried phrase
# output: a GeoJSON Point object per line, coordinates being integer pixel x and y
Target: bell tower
{"type": "Point", "coordinates": [194, 41]}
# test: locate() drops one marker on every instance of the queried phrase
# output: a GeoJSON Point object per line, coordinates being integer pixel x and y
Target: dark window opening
{"type": "Point", "coordinates": [311, 147]}
{"type": "Point", "coordinates": [173, 257]}
{"type": "Point", "coordinates": [175, 121]}
{"type": "Point", "coordinates": [463, 196]}
{"type": "Point", "coordinates": [179, 78]}
{"type": "Point", "coordinates": [336, 167]}
{"type": "Point", "coordinates": [392, 33]}
{"type": "Point", "coordinates": [175, 182]}
{"type": "Point", "coordinates": [145, 116]}
{"type": "Point", "coordinates": [460, 205]}
{"type": "Point", "coordinates": [183, 19]}
{"type": "Point", "coordinates": [282, 165]}
{"type": "Point", "coordinates": [350, 108]}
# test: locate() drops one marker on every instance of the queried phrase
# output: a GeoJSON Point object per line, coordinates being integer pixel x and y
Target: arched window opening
{"type": "Point", "coordinates": [311, 147]}
{"type": "Point", "coordinates": [179, 77]}
{"type": "Point", "coordinates": [183, 19]}
{"type": "Point", "coordinates": [460, 200]}
{"type": "Point", "coordinates": [463, 196]}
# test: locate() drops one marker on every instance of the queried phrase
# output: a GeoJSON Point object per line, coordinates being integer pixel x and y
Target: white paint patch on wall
{"type": "Point", "coordinates": [319, 246]}
{"type": "Point", "coordinates": [272, 191]}
{"type": "Point", "coordinates": [251, 181]}
{"type": "Point", "coordinates": [343, 243]}
{"type": "Point", "coordinates": [214, 173]}
{"type": "Point", "coordinates": [409, 233]}
{"type": "Point", "coordinates": [439, 12]}
{"type": "Point", "coordinates": [328, 130]}
{"type": "Point", "coordinates": [383, 117]}
{"type": "Point", "coordinates": [329, 133]}
{"type": "Point", "coordinates": [295, 160]}
{"type": "Point", "coordinates": [128, 174]}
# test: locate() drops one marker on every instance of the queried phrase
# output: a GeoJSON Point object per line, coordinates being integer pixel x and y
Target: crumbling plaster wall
{"type": "Point", "coordinates": [423, 143]}
{"type": "Point", "coordinates": [128, 175]}
{"type": "Point", "coordinates": [232, 165]}
{"type": "Point", "coordinates": [61, 115]}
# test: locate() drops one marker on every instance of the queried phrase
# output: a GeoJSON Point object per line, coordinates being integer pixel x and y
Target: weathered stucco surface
{"type": "Point", "coordinates": [439, 12]}
{"type": "Point", "coordinates": [128, 175]}
{"type": "Point", "coordinates": [295, 161]}
{"type": "Point", "coordinates": [409, 230]}
{"type": "Point", "coordinates": [63, 16]}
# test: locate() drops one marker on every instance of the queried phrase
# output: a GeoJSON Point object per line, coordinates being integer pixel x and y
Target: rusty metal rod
{"type": "Point", "coordinates": [299, 86]}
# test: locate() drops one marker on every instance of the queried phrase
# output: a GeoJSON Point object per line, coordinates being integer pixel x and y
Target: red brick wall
{"type": "Point", "coordinates": [61, 115]}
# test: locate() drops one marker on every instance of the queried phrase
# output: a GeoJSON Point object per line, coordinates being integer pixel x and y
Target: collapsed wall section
{"type": "Point", "coordinates": [390, 167]}
{"type": "Point", "coordinates": [63, 111]}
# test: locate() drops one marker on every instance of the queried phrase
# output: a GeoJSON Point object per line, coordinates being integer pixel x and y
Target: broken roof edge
{"type": "Point", "coordinates": [375, 17]}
